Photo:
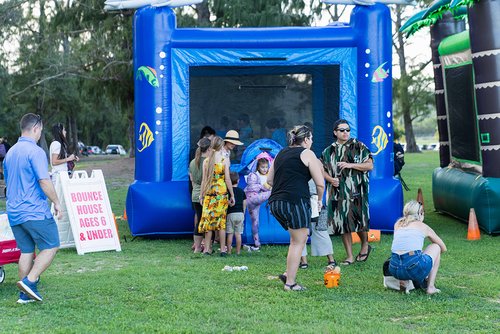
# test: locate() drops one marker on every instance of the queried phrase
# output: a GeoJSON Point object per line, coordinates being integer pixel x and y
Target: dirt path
{"type": "Point", "coordinates": [118, 171]}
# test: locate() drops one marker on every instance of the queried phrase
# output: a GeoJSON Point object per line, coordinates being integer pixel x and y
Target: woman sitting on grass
{"type": "Point", "coordinates": [408, 262]}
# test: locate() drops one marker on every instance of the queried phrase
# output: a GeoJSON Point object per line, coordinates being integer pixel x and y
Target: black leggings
{"type": "Point", "coordinates": [198, 209]}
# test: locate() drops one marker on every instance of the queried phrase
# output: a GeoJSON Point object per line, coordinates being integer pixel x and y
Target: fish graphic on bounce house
{"type": "Point", "coordinates": [149, 73]}
{"type": "Point", "coordinates": [380, 74]}
{"type": "Point", "coordinates": [145, 136]}
{"type": "Point", "coordinates": [380, 140]}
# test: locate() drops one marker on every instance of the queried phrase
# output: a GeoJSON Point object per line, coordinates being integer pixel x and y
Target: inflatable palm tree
{"type": "Point", "coordinates": [467, 79]}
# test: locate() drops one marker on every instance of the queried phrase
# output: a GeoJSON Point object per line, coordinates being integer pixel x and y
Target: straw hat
{"type": "Point", "coordinates": [233, 137]}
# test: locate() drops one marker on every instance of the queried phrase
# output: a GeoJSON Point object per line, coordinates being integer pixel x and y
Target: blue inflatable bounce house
{"type": "Point", "coordinates": [186, 78]}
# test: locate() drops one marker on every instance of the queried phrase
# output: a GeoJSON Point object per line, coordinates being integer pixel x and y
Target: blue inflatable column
{"type": "Point", "coordinates": [148, 210]}
{"type": "Point", "coordinates": [372, 24]}
{"type": "Point", "coordinates": [153, 118]}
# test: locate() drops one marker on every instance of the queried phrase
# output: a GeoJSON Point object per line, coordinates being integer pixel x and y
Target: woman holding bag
{"type": "Point", "coordinates": [59, 157]}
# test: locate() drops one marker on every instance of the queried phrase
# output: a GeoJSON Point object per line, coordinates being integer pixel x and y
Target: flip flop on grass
{"type": "Point", "coordinates": [358, 258]}
{"type": "Point", "coordinates": [303, 265]}
{"type": "Point", "coordinates": [294, 287]}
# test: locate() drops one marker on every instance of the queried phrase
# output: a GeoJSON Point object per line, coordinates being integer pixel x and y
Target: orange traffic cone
{"type": "Point", "coordinates": [124, 214]}
{"type": "Point", "coordinates": [473, 232]}
{"type": "Point", "coordinates": [420, 197]}
{"type": "Point", "coordinates": [116, 224]}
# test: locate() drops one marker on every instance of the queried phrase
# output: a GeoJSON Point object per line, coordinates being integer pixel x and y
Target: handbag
{"type": "Point", "coordinates": [71, 166]}
{"type": "Point", "coordinates": [322, 224]}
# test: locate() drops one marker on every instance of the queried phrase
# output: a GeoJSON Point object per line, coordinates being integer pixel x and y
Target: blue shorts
{"type": "Point", "coordinates": [414, 266]}
{"type": "Point", "coordinates": [42, 233]}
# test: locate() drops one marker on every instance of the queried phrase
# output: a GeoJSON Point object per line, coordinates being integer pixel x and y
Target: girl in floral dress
{"type": "Point", "coordinates": [215, 187]}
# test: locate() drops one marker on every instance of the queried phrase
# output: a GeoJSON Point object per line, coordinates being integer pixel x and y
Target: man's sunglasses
{"type": "Point", "coordinates": [344, 130]}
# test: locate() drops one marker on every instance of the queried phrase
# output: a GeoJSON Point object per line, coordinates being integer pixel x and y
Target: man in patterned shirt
{"type": "Point", "coordinates": [346, 164]}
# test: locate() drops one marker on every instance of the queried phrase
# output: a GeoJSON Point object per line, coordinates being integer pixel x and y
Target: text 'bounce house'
{"type": "Point", "coordinates": [467, 80]}
{"type": "Point", "coordinates": [187, 77]}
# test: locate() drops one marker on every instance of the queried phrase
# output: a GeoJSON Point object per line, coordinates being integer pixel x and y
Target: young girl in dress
{"type": "Point", "coordinates": [257, 192]}
{"type": "Point", "coordinates": [215, 187]}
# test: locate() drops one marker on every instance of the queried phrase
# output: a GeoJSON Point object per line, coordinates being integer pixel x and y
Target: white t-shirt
{"type": "Point", "coordinates": [55, 148]}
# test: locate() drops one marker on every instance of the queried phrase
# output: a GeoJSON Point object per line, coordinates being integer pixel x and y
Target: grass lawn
{"type": "Point", "coordinates": [160, 286]}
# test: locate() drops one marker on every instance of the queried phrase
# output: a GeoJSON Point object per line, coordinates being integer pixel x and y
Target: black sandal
{"type": "Point", "coordinates": [294, 287]}
{"type": "Point", "coordinates": [332, 263]}
{"type": "Point", "coordinates": [364, 255]}
{"type": "Point", "coordinates": [282, 278]}
{"type": "Point", "coordinates": [303, 265]}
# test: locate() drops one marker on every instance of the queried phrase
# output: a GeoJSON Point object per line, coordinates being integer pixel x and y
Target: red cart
{"type": "Point", "coordinates": [9, 253]}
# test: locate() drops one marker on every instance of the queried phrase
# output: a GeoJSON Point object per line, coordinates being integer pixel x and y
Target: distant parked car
{"type": "Point", "coordinates": [82, 149]}
{"type": "Point", "coordinates": [115, 149]}
{"type": "Point", "coordinates": [94, 150]}
{"type": "Point", "coordinates": [97, 150]}
{"type": "Point", "coordinates": [434, 147]}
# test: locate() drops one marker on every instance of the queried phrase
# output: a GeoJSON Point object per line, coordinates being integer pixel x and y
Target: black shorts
{"type": "Point", "coordinates": [292, 215]}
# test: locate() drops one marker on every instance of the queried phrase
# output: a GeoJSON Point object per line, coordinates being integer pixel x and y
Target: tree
{"type": "Point", "coordinates": [414, 87]}
{"type": "Point", "coordinates": [408, 86]}
{"type": "Point", "coordinates": [74, 66]}
{"type": "Point", "coordinates": [244, 13]}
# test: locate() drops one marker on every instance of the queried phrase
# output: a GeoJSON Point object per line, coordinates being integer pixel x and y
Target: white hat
{"type": "Point", "coordinates": [233, 137]}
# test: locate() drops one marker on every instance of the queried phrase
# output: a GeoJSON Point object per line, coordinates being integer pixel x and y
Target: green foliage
{"type": "Point", "coordinates": [73, 66]}
{"type": "Point", "coordinates": [259, 13]}
{"type": "Point", "coordinates": [422, 106]}
{"type": "Point", "coordinates": [255, 13]}
{"type": "Point", "coordinates": [160, 286]}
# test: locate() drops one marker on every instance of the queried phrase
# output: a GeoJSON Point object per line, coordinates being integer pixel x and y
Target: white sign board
{"type": "Point", "coordinates": [90, 215]}
{"type": "Point", "coordinates": [63, 224]}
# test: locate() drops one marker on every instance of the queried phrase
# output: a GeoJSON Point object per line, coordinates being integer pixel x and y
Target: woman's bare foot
{"type": "Point", "coordinates": [432, 290]}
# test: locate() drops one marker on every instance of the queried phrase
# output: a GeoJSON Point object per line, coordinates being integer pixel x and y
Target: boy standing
{"type": "Point", "coordinates": [235, 215]}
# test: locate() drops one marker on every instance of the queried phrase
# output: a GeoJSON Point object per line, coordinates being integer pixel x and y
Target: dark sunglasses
{"type": "Point", "coordinates": [38, 120]}
{"type": "Point", "coordinates": [343, 130]}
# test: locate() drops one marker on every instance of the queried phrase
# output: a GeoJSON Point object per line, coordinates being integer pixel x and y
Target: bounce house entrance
{"type": "Point", "coordinates": [462, 114]}
{"type": "Point", "coordinates": [264, 101]}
